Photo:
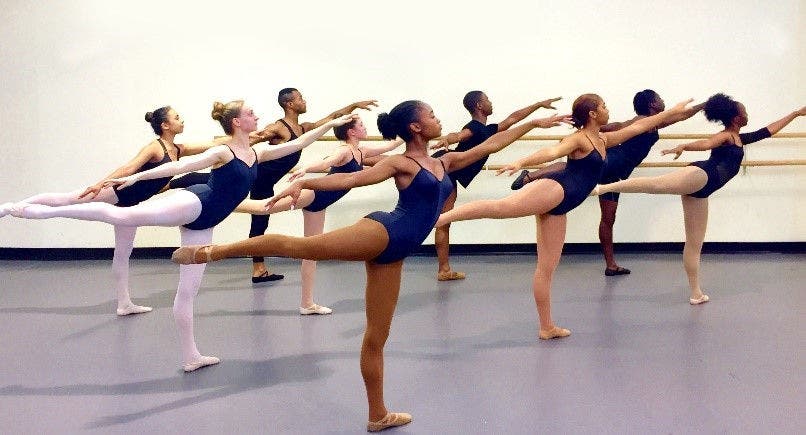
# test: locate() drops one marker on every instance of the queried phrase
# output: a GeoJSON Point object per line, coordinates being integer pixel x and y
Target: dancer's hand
{"type": "Point", "coordinates": [510, 169]}
{"type": "Point", "coordinates": [681, 106]}
{"type": "Point", "coordinates": [297, 174]}
{"type": "Point", "coordinates": [93, 190]}
{"type": "Point", "coordinates": [801, 111]}
{"type": "Point", "coordinates": [121, 182]}
{"type": "Point", "coordinates": [552, 121]}
{"type": "Point", "coordinates": [293, 191]}
{"type": "Point", "coordinates": [341, 120]}
{"type": "Point", "coordinates": [441, 143]}
{"type": "Point", "coordinates": [677, 151]}
{"type": "Point", "coordinates": [548, 104]}
{"type": "Point", "coordinates": [366, 105]}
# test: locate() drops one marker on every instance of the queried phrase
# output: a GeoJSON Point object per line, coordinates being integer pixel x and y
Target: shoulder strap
{"type": "Point", "coordinates": [165, 150]}
{"type": "Point", "coordinates": [415, 161]}
{"type": "Point", "coordinates": [289, 127]}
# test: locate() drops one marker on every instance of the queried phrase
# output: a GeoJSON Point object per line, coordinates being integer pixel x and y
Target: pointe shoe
{"type": "Point", "coordinates": [187, 254]}
{"type": "Point", "coordinates": [391, 419]}
{"type": "Point", "coordinates": [133, 309]}
{"type": "Point", "coordinates": [554, 332]}
{"type": "Point", "coordinates": [203, 361]}
{"type": "Point", "coordinates": [450, 275]}
{"type": "Point", "coordinates": [315, 309]}
{"type": "Point", "coordinates": [701, 300]}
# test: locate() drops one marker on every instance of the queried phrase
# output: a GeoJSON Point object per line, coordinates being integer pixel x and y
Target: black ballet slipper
{"type": "Point", "coordinates": [266, 277]}
{"type": "Point", "coordinates": [521, 180]}
{"type": "Point", "coordinates": [617, 271]}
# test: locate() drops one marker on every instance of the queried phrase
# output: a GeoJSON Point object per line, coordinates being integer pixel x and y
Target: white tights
{"type": "Point", "coordinates": [190, 277]}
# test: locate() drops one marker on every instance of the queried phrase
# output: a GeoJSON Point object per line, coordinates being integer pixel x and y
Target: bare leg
{"type": "Point", "coordinates": [383, 288]}
{"type": "Point", "coordinates": [362, 241]}
{"type": "Point", "coordinates": [535, 198]}
{"type": "Point", "coordinates": [608, 209]}
{"type": "Point", "coordinates": [682, 181]}
{"type": "Point", "coordinates": [178, 208]}
{"type": "Point", "coordinates": [124, 243]}
{"type": "Point", "coordinates": [550, 239]}
{"type": "Point", "coordinates": [442, 244]}
{"type": "Point", "coordinates": [190, 277]}
{"type": "Point", "coordinates": [256, 206]}
{"type": "Point", "coordinates": [695, 217]}
{"type": "Point", "coordinates": [314, 223]}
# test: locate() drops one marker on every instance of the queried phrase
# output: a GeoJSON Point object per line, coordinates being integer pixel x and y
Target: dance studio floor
{"type": "Point", "coordinates": [463, 357]}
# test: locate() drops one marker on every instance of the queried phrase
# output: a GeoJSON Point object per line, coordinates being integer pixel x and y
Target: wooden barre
{"type": "Point", "coordinates": [796, 162]}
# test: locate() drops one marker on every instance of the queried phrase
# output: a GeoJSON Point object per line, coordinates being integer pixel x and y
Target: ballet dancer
{"type": "Point", "coordinates": [166, 123]}
{"type": "Point", "coordinates": [621, 160]}
{"type": "Point", "coordinates": [697, 181]}
{"type": "Point", "coordinates": [349, 157]}
{"type": "Point", "coordinates": [550, 198]}
{"type": "Point", "coordinates": [382, 240]}
{"type": "Point", "coordinates": [270, 172]}
{"type": "Point", "coordinates": [473, 133]}
{"type": "Point", "coordinates": [197, 209]}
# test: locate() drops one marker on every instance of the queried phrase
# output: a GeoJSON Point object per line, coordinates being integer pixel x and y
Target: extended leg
{"type": "Point", "coordinates": [682, 181]}
{"type": "Point", "coordinates": [535, 198]}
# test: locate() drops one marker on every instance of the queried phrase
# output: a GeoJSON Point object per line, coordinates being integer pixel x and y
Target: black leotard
{"type": "Point", "coordinates": [324, 198]}
{"type": "Point", "coordinates": [624, 158]}
{"type": "Point", "coordinates": [142, 190]}
{"type": "Point", "coordinates": [228, 186]}
{"type": "Point", "coordinates": [417, 210]}
{"type": "Point", "coordinates": [577, 179]}
{"type": "Point", "coordinates": [725, 161]}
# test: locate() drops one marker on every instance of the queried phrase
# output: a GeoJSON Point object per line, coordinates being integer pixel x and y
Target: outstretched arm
{"type": "Point", "coordinates": [686, 114]}
{"type": "Point", "coordinates": [385, 169]}
{"type": "Point", "coordinates": [458, 160]}
{"type": "Point", "coordinates": [268, 133]}
{"type": "Point", "coordinates": [452, 138]}
{"type": "Point", "coordinates": [266, 152]}
{"type": "Point", "coordinates": [566, 146]}
{"type": "Point", "coordinates": [644, 124]}
{"type": "Point", "coordinates": [521, 114]}
{"type": "Point", "coordinates": [376, 150]}
{"type": "Point", "coordinates": [196, 162]}
{"type": "Point", "coordinates": [192, 148]}
{"type": "Point", "coordinates": [346, 110]}
{"type": "Point", "coordinates": [776, 126]}
{"type": "Point", "coordinates": [146, 154]}
{"type": "Point", "coordinates": [336, 159]}
{"type": "Point", "coordinates": [700, 145]}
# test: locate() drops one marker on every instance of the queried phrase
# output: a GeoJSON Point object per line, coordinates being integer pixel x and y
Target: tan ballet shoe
{"type": "Point", "coordinates": [391, 419]}
{"type": "Point", "coordinates": [450, 275]}
{"type": "Point", "coordinates": [188, 254]}
{"type": "Point", "coordinates": [701, 300]}
{"type": "Point", "coordinates": [203, 361]}
{"type": "Point", "coordinates": [554, 332]}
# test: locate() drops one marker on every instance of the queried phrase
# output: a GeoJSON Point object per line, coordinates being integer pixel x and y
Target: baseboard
{"type": "Point", "coordinates": [60, 254]}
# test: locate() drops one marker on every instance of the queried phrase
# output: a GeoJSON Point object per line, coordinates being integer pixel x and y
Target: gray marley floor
{"type": "Point", "coordinates": [463, 357]}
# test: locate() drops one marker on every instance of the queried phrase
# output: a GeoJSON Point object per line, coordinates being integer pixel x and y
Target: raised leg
{"type": "Point", "coordinates": [682, 181]}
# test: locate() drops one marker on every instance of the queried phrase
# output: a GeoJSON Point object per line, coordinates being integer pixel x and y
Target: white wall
{"type": "Point", "coordinates": [79, 75]}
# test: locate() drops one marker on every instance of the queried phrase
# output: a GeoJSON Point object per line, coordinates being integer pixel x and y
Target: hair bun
{"type": "Point", "coordinates": [149, 116]}
{"type": "Point", "coordinates": [218, 110]}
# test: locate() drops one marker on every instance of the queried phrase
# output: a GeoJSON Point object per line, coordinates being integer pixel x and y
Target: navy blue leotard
{"type": "Point", "coordinates": [227, 187]}
{"type": "Point", "coordinates": [480, 133]}
{"type": "Point", "coordinates": [417, 210]}
{"type": "Point", "coordinates": [324, 198]}
{"type": "Point", "coordinates": [577, 179]}
{"type": "Point", "coordinates": [623, 159]}
{"type": "Point", "coordinates": [724, 162]}
{"type": "Point", "coordinates": [142, 190]}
